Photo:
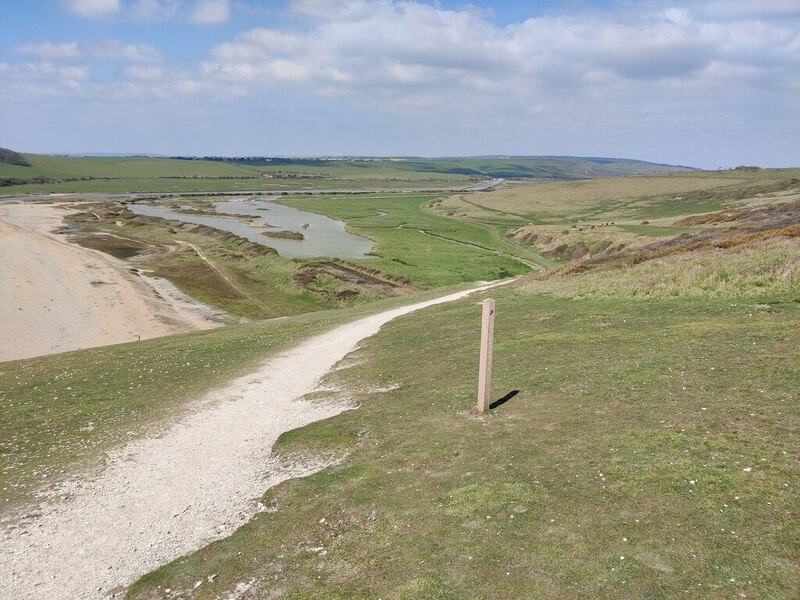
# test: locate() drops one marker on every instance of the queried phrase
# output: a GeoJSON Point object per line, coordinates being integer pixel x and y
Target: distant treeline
{"type": "Point", "coordinates": [257, 160]}
{"type": "Point", "coordinates": [13, 158]}
{"type": "Point", "coordinates": [5, 181]}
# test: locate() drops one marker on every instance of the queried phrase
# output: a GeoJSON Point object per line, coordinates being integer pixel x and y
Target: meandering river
{"type": "Point", "coordinates": [323, 236]}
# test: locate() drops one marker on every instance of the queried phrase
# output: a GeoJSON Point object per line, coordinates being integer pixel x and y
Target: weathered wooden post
{"type": "Point", "coordinates": [485, 368]}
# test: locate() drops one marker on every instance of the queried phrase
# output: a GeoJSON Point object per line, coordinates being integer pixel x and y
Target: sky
{"type": "Point", "coordinates": [705, 83]}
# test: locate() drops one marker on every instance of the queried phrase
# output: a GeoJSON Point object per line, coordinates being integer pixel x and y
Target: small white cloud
{"type": "Point", "coordinates": [115, 49]}
{"type": "Point", "coordinates": [51, 51]}
{"type": "Point", "coordinates": [145, 73]}
{"type": "Point", "coordinates": [211, 12]}
{"type": "Point", "coordinates": [73, 73]}
{"type": "Point", "coordinates": [155, 9]}
{"type": "Point", "coordinates": [273, 40]}
{"type": "Point", "coordinates": [93, 9]}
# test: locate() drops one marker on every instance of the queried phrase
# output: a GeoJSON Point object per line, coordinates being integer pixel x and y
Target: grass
{"type": "Point", "coordinates": [429, 249]}
{"type": "Point", "coordinates": [61, 411]}
{"type": "Point", "coordinates": [622, 198]}
{"type": "Point", "coordinates": [145, 174]}
{"type": "Point", "coordinates": [650, 449]}
{"type": "Point", "coordinates": [635, 461]}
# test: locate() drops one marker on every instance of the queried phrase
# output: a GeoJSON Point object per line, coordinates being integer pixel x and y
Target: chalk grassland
{"type": "Point", "coordinates": [624, 199]}
{"type": "Point", "coordinates": [144, 174]}
{"type": "Point", "coordinates": [574, 220]}
{"type": "Point", "coordinates": [650, 450]}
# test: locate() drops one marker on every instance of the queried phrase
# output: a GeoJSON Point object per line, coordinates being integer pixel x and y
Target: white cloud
{"type": "Point", "coordinates": [394, 46]}
{"type": "Point", "coordinates": [116, 49]}
{"type": "Point", "coordinates": [155, 9]}
{"type": "Point", "coordinates": [211, 12]}
{"type": "Point", "coordinates": [106, 49]}
{"type": "Point", "coordinates": [51, 51]}
{"type": "Point", "coordinates": [94, 9]}
{"type": "Point", "coordinates": [146, 73]}
{"type": "Point", "coordinates": [73, 73]}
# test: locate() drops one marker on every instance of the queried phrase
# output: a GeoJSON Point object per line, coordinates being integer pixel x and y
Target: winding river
{"type": "Point", "coordinates": [323, 236]}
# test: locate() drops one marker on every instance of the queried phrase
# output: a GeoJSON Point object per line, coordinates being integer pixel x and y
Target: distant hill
{"type": "Point", "coordinates": [506, 167]}
{"type": "Point", "coordinates": [38, 173]}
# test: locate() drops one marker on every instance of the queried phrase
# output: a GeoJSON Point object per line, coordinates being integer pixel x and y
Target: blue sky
{"type": "Point", "coordinates": [706, 83]}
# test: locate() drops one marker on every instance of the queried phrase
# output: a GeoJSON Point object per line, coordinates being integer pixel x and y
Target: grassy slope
{"type": "Point", "coordinates": [133, 174]}
{"type": "Point", "coordinates": [635, 461]}
{"type": "Point", "coordinates": [63, 410]}
{"type": "Point", "coordinates": [624, 198]}
{"type": "Point", "coordinates": [436, 502]}
{"type": "Point", "coordinates": [165, 175]}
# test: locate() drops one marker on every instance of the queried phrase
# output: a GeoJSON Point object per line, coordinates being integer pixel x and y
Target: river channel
{"type": "Point", "coordinates": [323, 236]}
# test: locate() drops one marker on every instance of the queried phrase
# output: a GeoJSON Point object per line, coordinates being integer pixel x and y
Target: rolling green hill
{"type": "Point", "coordinates": [48, 174]}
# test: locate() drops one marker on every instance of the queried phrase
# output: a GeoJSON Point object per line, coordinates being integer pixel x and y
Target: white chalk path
{"type": "Point", "coordinates": [162, 497]}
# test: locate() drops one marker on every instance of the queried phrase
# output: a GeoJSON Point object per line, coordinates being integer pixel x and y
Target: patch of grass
{"type": "Point", "coordinates": [770, 266]}
{"type": "Point", "coordinates": [623, 198]}
{"type": "Point", "coordinates": [636, 461]}
{"type": "Point", "coordinates": [411, 242]}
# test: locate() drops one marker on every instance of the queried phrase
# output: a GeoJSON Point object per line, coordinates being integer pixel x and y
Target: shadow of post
{"type": "Point", "coordinates": [503, 400]}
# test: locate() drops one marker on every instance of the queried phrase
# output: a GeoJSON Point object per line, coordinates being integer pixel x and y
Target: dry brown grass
{"type": "Point", "coordinates": [752, 265]}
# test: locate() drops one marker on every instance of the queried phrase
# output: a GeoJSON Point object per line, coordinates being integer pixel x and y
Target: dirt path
{"type": "Point", "coordinates": [227, 279]}
{"type": "Point", "coordinates": [165, 496]}
{"type": "Point", "coordinates": [56, 296]}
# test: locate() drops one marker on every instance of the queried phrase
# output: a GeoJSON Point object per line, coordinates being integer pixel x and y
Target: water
{"type": "Point", "coordinates": [323, 236]}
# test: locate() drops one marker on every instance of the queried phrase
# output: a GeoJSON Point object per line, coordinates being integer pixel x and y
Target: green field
{"type": "Point", "coordinates": [645, 437]}
{"type": "Point", "coordinates": [61, 174]}
{"type": "Point", "coordinates": [408, 236]}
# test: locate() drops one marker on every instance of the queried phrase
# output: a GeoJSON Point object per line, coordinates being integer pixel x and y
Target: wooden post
{"type": "Point", "coordinates": [485, 368]}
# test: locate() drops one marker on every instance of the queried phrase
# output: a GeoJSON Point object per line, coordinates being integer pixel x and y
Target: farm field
{"type": "Point", "coordinates": [59, 174]}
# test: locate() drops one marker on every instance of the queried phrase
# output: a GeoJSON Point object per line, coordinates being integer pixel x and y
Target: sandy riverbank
{"type": "Point", "coordinates": [57, 296]}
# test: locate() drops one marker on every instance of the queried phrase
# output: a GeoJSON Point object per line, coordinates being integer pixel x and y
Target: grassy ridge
{"type": "Point", "coordinates": [142, 174]}
{"type": "Point", "coordinates": [634, 461]}
{"type": "Point", "coordinates": [624, 198]}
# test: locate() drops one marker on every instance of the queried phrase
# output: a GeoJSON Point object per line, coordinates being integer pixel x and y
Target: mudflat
{"type": "Point", "coordinates": [57, 296]}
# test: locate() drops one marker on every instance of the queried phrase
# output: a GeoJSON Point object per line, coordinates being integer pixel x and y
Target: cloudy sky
{"type": "Point", "coordinates": [705, 83]}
